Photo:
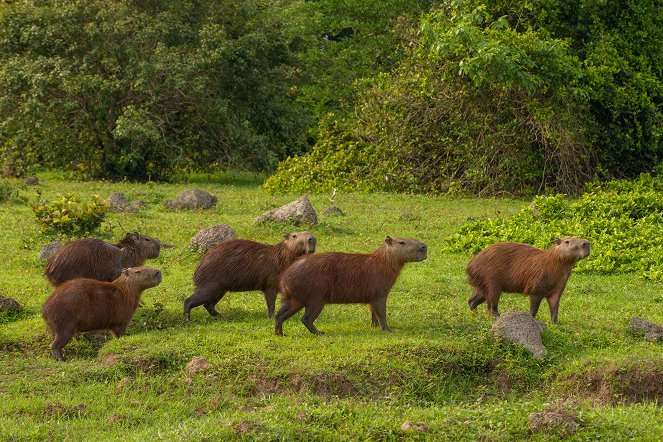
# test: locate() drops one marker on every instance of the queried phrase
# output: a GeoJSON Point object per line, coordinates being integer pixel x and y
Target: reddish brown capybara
{"type": "Point", "coordinates": [96, 259]}
{"type": "Point", "coordinates": [345, 278]}
{"type": "Point", "coordinates": [241, 265]}
{"type": "Point", "coordinates": [521, 268]}
{"type": "Point", "coordinates": [85, 304]}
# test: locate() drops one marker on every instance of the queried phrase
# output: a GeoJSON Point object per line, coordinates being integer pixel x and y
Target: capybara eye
{"type": "Point", "coordinates": [401, 242]}
{"type": "Point", "coordinates": [294, 236]}
{"type": "Point", "coordinates": [567, 241]}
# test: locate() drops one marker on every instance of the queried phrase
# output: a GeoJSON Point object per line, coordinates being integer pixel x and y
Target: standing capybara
{"type": "Point", "coordinates": [84, 304]}
{"type": "Point", "coordinates": [345, 278]}
{"type": "Point", "coordinates": [241, 265]}
{"type": "Point", "coordinates": [521, 268]}
{"type": "Point", "coordinates": [96, 259]}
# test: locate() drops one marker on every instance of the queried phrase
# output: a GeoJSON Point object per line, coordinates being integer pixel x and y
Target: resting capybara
{"type": "Point", "coordinates": [240, 265]}
{"type": "Point", "coordinates": [96, 259]}
{"type": "Point", "coordinates": [345, 278]}
{"type": "Point", "coordinates": [521, 268]}
{"type": "Point", "coordinates": [84, 304]}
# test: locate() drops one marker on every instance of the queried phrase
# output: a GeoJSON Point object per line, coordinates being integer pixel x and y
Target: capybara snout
{"type": "Point", "coordinates": [411, 249]}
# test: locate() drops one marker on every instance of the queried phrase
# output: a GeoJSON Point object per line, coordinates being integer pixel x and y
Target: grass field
{"type": "Point", "coordinates": [438, 367]}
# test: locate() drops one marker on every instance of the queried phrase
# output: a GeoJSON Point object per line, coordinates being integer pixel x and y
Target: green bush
{"type": "Point", "coordinates": [70, 217]}
{"type": "Point", "coordinates": [622, 220]}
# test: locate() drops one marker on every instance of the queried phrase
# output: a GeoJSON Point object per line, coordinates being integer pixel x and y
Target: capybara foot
{"type": "Point", "coordinates": [57, 354]}
{"type": "Point", "coordinates": [187, 317]}
{"type": "Point", "coordinates": [213, 312]}
{"type": "Point", "coordinates": [387, 329]}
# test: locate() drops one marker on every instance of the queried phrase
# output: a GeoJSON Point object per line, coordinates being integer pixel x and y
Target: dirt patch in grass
{"type": "Point", "coordinates": [618, 385]}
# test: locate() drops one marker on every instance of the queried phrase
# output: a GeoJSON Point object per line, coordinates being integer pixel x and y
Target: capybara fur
{"type": "Point", "coordinates": [345, 278]}
{"type": "Point", "coordinates": [241, 265]}
{"type": "Point", "coordinates": [85, 304]}
{"type": "Point", "coordinates": [521, 268]}
{"type": "Point", "coordinates": [96, 259]}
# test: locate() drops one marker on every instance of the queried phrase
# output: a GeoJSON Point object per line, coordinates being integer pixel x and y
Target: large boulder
{"type": "Point", "coordinates": [652, 332]}
{"type": "Point", "coordinates": [48, 250]}
{"type": "Point", "coordinates": [210, 236]}
{"type": "Point", "coordinates": [299, 211]}
{"type": "Point", "coordinates": [192, 200]}
{"type": "Point", "coordinates": [118, 203]}
{"type": "Point", "coordinates": [8, 304]}
{"type": "Point", "coordinates": [521, 329]}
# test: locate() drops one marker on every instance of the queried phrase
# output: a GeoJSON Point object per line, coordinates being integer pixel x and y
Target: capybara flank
{"type": "Point", "coordinates": [345, 278]}
{"type": "Point", "coordinates": [96, 259]}
{"type": "Point", "coordinates": [85, 304]}
{"type": "Point", "coordinates": [241, 265]}
{"type": "Point", "coordinates": [521, 268]}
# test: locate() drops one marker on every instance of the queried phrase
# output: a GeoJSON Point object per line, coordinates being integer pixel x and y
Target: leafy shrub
{"type": "Point", "coordinates": [70, 217]}
{"type": "Point", "coordinates": [6, 191]}
{"type": "Point", "coordinates": [622, 220]}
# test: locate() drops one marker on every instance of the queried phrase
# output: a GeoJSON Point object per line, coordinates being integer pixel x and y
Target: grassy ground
{"type": "Point", "coordinates": [437, 367]}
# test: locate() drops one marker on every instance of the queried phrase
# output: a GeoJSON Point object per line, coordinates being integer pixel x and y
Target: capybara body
{"type": "Point", "coordinates": [241, 265]}
{"type": "Point", "coordinates": [85, 304]}
{"type": "Point", "coordinates": [521, 268]}
{"type": "Point", "coordinates": [96, 259]}
{"type": "Point", "coordinates": [345, 278]}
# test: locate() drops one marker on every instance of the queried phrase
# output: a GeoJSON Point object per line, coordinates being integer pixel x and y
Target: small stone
{"type": "Point", "coordinates": [652, 332]}
{"type": "Point", "coordinates": [197, 365]}
{"type": "Point", "coordinates": [414, 426]}
{"type": "Point", "coordinates": [192, 200]}
{"type": "Point", "coordinates": [333, 210]}
{"type": "Point", "coordinates": [31, 181]}
{"type": "Point", "coordinates": [48, 250]}
{"type": "Point", "coordinates": [521, 329]}
{"type": "Point", "coordinates": [118, 203]}
{"type": "Point", "coordinates": [209, 237]}
{"type": "Point", "coordinates": [299, 211]}
{"type": "Point", "coordinates": [555, 420]}
{"type": "Point", "coordinates": [302, 415]}
{"type": "Point", "coordinates": [9, 305]}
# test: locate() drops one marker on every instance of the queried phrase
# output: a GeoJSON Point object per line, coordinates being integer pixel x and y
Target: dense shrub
{"type": "Point", "coordinates": [68, 216]}
{"type": "Point", "coordinates": [622, 220]}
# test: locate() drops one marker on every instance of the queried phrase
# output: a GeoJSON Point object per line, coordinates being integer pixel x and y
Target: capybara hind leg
{"type": "Point", "coordinates": [476, 300]}
{"type": "Point", "coordinates": [119, 331]}
{"type": "Point", "coordinates": [311, 314]}
{"type": "Point", "coordinates": [380, 308]}
{"type": "Point", "coordinates": [193, 301]}
{"type": "Point", "coordinates": [60, 339]}
{"type": "Point", "coordinates": [553, 302]}
{"type": "Point", "coordinates": [534, 303]}
{"type": "Point", "coordinates": [289, 308]}
{"type": "Point", "coordinates": [270, 299]}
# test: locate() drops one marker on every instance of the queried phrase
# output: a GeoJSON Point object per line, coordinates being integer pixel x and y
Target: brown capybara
{"type": "Point", "coordinates": [521, 268]}
{"type": "Point", "coordinates": [241, 265]}
{"type": "Point", "coordinates": [345, 278]}
{"type": "Point", "coordinates": [85, 304]}
{"type": "Point", "coordinates": [96, 259]}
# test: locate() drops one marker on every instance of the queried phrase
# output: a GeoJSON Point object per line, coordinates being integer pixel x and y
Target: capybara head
{"type": "Point", "coordinates": [300, 243]}
{"type": "Point", "coordinates": [572, 249]}
{"type": "Point", "coordinates": [406, 249]}
{"type": "Point", "coordinates": [142, 277]}
{"type": "Point", "coordinates": [149, 247]}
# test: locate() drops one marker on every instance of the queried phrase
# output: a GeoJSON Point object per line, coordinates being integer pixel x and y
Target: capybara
{"type": "Point", "coordinates": [521, 268]}
{"type": "Point", "coordinates": [85, 304]}
{"type": "Point", "coordinates": [96, 259]}
{"type": "Point", "coordinates": [240, 265]}
{"type": "Point", "coordinates": [345, 278]}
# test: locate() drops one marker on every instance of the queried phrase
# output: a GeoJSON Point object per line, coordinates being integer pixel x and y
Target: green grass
{"type": "Point", "coordinates": [437, 367]}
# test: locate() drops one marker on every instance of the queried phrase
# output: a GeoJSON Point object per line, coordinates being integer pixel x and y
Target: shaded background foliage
{"type": "Point", "coordinates": [482, 97]}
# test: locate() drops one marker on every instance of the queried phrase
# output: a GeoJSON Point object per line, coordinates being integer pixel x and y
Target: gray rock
{"type": "Point", "coordinates": [300, 211]}
{"type": "Point", "coordinates": [652, 332]}
{"type": "Point", "coordinates": [333, 210]}
{"type": "Point", "coordinates": [558, 420]}
{"type": "Point", "coordinates": [47, 250]}
{"type": "Point", "coordinates": [118, 203]}
{"type": "Point", "coordinates": [521, 329]}
{"type": "Point", "coordinates": [192, 200]}
{"type": "Point", "coordinates": [31, 181]}
{"type": "Point", "coordinates": [211, 236]}
{"type": "Point", "coordinates": [8, 304]}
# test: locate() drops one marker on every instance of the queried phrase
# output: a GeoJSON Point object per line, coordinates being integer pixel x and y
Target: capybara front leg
{"type": "Point", "coordinates": [380, 308]}
{"type": "Point", "coordinates": [270, 299]}
{"type": "Point", "coordinates": [289, 308]}
{"type": "Point", "coordinates": [311, 314]}
{"type": "Point", "coordinates": [534, 303]}
{"type": "Point", "coordinates": [492, 300]}
{"type": "Point", "coordinates": [476, 299]}
{"type": "Point", "coordinates": [375, 321]}
{"type": "Point", "coordinates": [553, 303]}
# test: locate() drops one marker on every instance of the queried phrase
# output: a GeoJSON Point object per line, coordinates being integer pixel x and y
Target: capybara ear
{"type": "Point", "coordinates": [558, 241]}
{"type": "Point", "coordinates": [125, 272]}
{"type": "Point", "coordinates": [388, 240]}
{"type": "Point", "coordinates": [286, 235]}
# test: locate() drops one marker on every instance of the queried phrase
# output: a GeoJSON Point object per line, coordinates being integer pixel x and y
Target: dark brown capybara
{"type": "Point", "coordinates": [521, 268]}
{"type": "Point", "coordinates": [313, 281]}
{"type": "Point", "coordinates": [96, 259]}
{"type": "Point", "coordinates": [241, 265]}
{"type": "Point", "coordinates": [85, 304]}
